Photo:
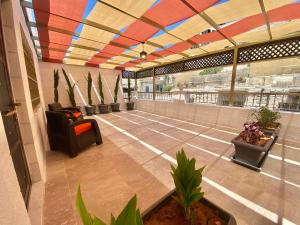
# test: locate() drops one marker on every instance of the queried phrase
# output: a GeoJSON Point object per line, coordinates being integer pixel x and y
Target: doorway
{"type": "Point", "coordinates": [11, 125]}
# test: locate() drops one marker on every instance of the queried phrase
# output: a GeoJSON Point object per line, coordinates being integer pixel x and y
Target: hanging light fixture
{"type": "Point", "coordinates": [143, 54]}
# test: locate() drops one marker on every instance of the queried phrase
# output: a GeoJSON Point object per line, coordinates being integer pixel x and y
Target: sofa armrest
{"type": "Point", "coordinates": [72, 109]}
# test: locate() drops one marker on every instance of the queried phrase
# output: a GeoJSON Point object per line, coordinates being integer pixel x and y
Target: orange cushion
{"type": "Point", "coordinates": [77, 114]}
{"type": "Point", "coordinates": [81, 128]}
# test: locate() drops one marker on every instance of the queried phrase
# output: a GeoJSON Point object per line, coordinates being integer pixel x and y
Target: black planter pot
{"type": "Point", "coordinates": [115, 107]}
{"type": "Point", "coordinates": [130, 105]}
{"type": "Point", "coordinates": [103, 108]}
{"type": "Point", "coordinates": [224, 215]}
{"type": "Point", "coordinates": [90, 109]}
{"type": "Point", "coordinates": [252, 156]}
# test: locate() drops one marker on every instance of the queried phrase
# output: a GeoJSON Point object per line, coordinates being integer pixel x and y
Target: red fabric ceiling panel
{"type": "Point", "coordinates": [140, 31]}
{"type": "Point", "coordinates": [205, 38]}
{"type": "Point", "coordinates": [167, 12]}
{"type": "Point", "coordinates": [53, 54]}
{"type": "Point", "coordinates": [45, 59]}
{"type": "Point", "coordinates": [125, 41]}
{"type": "Point", "coordinates": [201, 5]}
{"type": "Point", "coordinates": [128, 64]}
{"type": "Point", "coordinates": [113, 50]}
{"type": "Point", "coordinates": [287, 12]}
{"type": "Point", "coordinates": [96, 60]}
{"type": "Point", "coordinates": [164, 53]}
{"type": "Point", "coordinates": [92, 64]}
{"type": "Point", "coordinates": [244, 25]}
{"type": "Point", "coordinates": [44, 11]}
{"type": "Point", "coordinates": [53, 45]}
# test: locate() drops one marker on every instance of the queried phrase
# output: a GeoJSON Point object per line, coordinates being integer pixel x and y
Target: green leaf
{"type": "Point", "coordinates": [128, 214]}
{"type": "Point", "coordinates": [85, 216]}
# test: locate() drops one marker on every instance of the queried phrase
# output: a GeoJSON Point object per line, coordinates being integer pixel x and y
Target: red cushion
{"type": "Point", "coordinates": [81, 128]}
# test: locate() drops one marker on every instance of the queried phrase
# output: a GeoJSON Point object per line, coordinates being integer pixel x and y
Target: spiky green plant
{"type": "Point", "coordinates": [187, 181]}
{"type": "Point", "coordinates": [116, 89]}
{"type": "Point", "coordinates": [266, 117]}
{"type": "Point", "coordinates": [89, 88]}
{"type": "Point", "coordinates": [100, 88]}
{"type": "Point", "coordinates": [56, 82]}
{"type": "Point", "coordinates": [70, 90]}
{"type": "Point", "coordinates": [130, 215]}
{"type": "Point", "coordinates": [129, 90]}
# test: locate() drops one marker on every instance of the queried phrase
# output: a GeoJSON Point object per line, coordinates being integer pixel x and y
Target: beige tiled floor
{"type": "Point", "coordinates": [135, 159]}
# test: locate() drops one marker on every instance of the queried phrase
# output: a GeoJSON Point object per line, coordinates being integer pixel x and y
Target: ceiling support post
{"type": "Point", "coordinates": [233, 76]}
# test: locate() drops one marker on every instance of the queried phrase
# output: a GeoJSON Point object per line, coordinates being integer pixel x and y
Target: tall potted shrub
{"type": "Point", "coordinates": [56, 82]}
{"type": "Point", "coordinates": [115, 106]}
{"type": "Point", "coordinates": [103, 108]}
{"type": "Point", "coordinates": [70, 90]}
{"type": "Point", "coordinates": [129, 104]}
{"type": "Point", "coordinates": [90, 108]}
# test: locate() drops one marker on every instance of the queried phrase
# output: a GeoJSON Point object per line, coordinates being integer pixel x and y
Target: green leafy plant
{"type": "Point", "coordinates": [129, 90]}
{"type": "Point", "coordinates": [130, 215]}
{"type": "Point", "coordinates": [56, 82]}
{"type": "Point", "coordinates": [89, 88]}
{"type": "Point", "coordinates": [116, 89]}
{"type": "Point", "coordinates": [101, 89]}
{"type": "Point", "coordinates": [266, 117]}
{"type": "Point", "coordinates": [187, 181]}
{"type": "Point", "coordinates": [70, 89]}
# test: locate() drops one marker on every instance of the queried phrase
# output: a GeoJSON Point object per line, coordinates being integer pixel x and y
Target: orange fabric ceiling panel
{"type": "Point", "coordinates": [179, 47]}
{"type": "Point", "coordinates": [167, 12]}
{"type": "Point", "coordinates": [205, 38]}
{"type": "Point", "coordinates": [52, 60]}
{"type": "Point", "coordinates": [287, 12]}
{"type": "Point", "coordinates": [53, 45]}
{"type": "Point", "coordinates": [244, 25]}
{"type": "Point", "coordinates": [201, 5]}
{"type": "Point", "coordinates": [140, 31]}
{"type": "Point", "coordinates": [125, 41]}
{"type": "Point", "coordinates": [53, 54]}
{"type": "Point", "coordinates": [164, 53]}
{"type": "Point", "coordinates": [113, 50]}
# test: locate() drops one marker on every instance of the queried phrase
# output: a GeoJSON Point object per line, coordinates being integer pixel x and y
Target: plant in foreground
{"type": "Point", "coordinates": [187, 181]}
{"type": "Point", "coordinates": [116, 89]}
{"type": "Point", "coordinates": [266, 117]}
{"type": "Point", "coordinates": [129, 90]}
{"type": "Point", "coordinates": [56, 81]}
{"type": "Point", "coordinates": [100, 89]}
{"type": "Point", "coordinates": [130, 215]}
{"type": "Point", "coordinates": [70, 89]}
{"type": "Point", "coordinates": [89, 88]}
{"type": "Point", "coordinates": [252, 133]}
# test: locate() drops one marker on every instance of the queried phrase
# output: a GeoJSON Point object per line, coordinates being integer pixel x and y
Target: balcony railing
{"type": "Point", "coordinates": [281, 101]}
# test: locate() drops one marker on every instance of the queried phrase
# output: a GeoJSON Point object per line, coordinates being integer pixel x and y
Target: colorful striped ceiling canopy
{"type": "Point", "coordinates": [110, 33]}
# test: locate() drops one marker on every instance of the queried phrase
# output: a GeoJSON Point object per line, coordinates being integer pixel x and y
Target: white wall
{"type": "Point", "coordinates": [79, 73]}
{"type": "Point", "coordinates": [223, 116]}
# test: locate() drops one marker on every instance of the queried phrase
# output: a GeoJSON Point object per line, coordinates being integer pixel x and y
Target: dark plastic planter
{"type": "Point", "coordinates": [224, 215]}
{"type": "Point", "coordinates": [90, 109]}
{"type": "Point", "coordinates": [130, 105]}
{"type": "Point", "coordinates": [275, 132]}
{"type": "Point", "coordinates": [103, 108]}
{"type": "Point", "coordinates": [249, 155]}
{"type": "Point", "coordinates": [115, 107]}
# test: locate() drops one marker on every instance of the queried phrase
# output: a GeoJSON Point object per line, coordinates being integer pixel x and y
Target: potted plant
{"type": "Point", "coordinates": [90, 108]}
{"type": "Point", "coordinates": [186, 205]}
{"type": "Point", "coordinates": [129, 104]}
{"type": "Point", "coordinates": [115, 106]}
{"type": "Point", "coordinates": [252, 145]}
{"type": "Point", "coordinates": [103, 108]}
{"type": "Point", "coordinates": [268, 120]}
{"type": "Point", "coordinates": [130, 215]}
{"type": "Point", "coordinates": [56, 82]}
{"type": "Point", "coordinates": [70, 90]}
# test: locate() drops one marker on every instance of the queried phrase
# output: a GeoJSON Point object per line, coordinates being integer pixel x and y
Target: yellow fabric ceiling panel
{"type": "Point", "coordinates": [214, 46]}
{"type": "Point", "coordinates": [272, 4]}
{"type": "Point", "coordinates": [88, 43]}
{"type": "Point", "coordinates": [74, 62]}
{"type": "Point", "coordinates": [174, 57]}
{"type": "Point", "coordinates": [147, 48]}
{"type": "Point", "coordinates": [83, 52]}
{"type": "Point", "coordinates": [121, 59]}
{"type": "Point", "coordinates": [163, 60]}
{"type": "Point", "coordinates": [147, 64]}
{"type": "Point", "coordinates": [256, 35]}
{"type": "Point", "coordinates": [107, 16]}
{"type": "Point", "coordinates": [96, 34]}
{"type": "Point", "coordinates": [133, 7]}
{"type": "Point", "coordinates": [164, 39]}
{"type": "Point", "coordinates": [190, 28]}
{"type": "Point", "coordinates": [194, 52]}
{"type": "Point", "coordinates": [107, 66]}
{"type": "Point", "coordinates": [233, 10]}
{"type": "Point", "coordinates": [133, 69]}
{"type": "Point", "coordinates": [283, 30]}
